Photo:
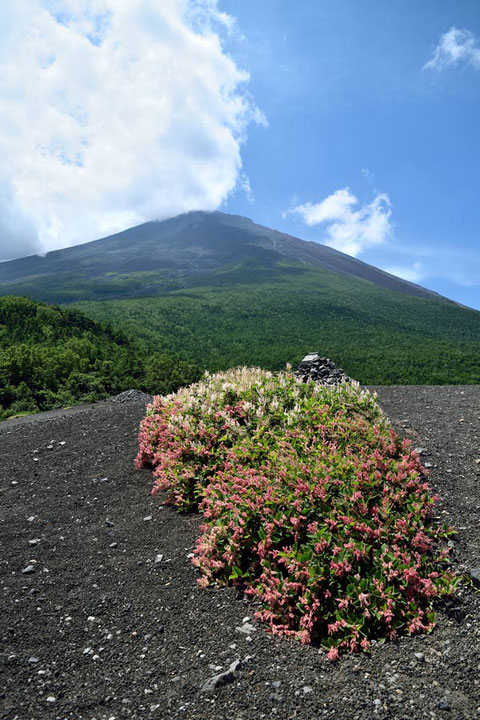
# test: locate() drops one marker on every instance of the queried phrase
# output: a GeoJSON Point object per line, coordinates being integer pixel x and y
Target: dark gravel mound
{"type": "Point", "coordinates": [101, 617]}
{"type": "Point", "coordinates": [132, 396]}
{"type": "Point", "coordinates": [321, 369]}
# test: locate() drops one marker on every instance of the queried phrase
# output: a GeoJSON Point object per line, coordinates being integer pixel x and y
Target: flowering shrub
{"type": "Point", "coordinates": [311, 502]}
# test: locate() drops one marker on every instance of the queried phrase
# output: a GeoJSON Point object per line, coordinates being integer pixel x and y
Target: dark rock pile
{"type": "Point", "coordinates": [320, 369]}
{"type": "Point", "coordinates": [132, 396]}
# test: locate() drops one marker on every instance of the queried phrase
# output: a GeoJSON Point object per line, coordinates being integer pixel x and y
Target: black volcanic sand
{"type": "Point", "coordinates": [100, 630]}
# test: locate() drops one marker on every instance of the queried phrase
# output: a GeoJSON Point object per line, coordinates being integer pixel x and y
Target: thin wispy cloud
{"type": "Point", "coordinates": [414, 273]}
{"type": "Point", "coordinates": [114, 112]}
{"type": "Point", "coordinates": [244, 184]}
{"type": "Point", "coordinates": [349, 226]}
{"type": "Point", "coordinates": [368, 175]}
{"type": "Point", "coordinates": [434, 262]}
{"type": "Point", "coordinates": [455, 47]}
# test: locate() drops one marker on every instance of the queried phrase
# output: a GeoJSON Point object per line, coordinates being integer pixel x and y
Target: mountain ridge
{"type": "Point", "coordinates": [218, 291]}
{"type": "Point", "coordinates": [178, 249]}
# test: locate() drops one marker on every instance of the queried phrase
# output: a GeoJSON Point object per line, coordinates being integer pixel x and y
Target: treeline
{"type": "Point", "coordinates": [51, 357]}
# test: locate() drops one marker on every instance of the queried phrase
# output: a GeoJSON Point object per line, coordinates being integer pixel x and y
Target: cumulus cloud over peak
{"type": "Point", "coordinates": [455, 46]}
{"type": "Point", "coordinates": [114, 112]}
{"type": "Point", "coordinates": [350, 227]}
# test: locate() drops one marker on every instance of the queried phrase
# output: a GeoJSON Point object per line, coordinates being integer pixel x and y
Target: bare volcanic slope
{"type": "Point", "coordinates": [101, 616]}
{"type": "Point", "coordinates": [174, 253]}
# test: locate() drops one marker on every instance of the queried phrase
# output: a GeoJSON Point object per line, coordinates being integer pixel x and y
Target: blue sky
{"type": "Point", "coordinates": [353, 123]}
{"type": "Point", "coordinates": [344, 89]}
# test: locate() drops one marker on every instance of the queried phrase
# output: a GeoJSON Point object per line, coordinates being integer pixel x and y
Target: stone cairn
{"type": "Point", "coordinates": [132, 396]}
{"type": "Point", "coordinates": [320, 369]}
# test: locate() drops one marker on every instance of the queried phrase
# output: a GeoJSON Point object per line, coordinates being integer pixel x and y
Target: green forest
{"type": "Point", "coordinates": [54, 356]}
{"type": "Point", "coordinates": [51, 357]}
{"type": "Point", "coordinates": [380, 337]}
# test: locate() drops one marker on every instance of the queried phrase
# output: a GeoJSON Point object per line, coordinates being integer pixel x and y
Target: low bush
{"type": "Point", "coordinates": [311, 502]}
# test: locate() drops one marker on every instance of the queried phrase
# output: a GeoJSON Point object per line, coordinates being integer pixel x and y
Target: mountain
{"type": "Point", "coordinates": [179, 252]}
{"type": "Point", "coordinates": [218, 290]}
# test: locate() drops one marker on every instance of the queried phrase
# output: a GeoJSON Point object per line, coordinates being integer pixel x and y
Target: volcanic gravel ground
{"type": "Point", "coordinates": [108, 622]}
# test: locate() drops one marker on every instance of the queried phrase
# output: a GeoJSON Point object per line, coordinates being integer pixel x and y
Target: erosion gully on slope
{"type": "Point", "coordinates": [108, 622]}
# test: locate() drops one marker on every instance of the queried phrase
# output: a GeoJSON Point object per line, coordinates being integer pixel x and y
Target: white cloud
{"type": "Point", "coordinates": [368, 175]}
{"type": "Point", "coordinates": [349, 227]}
{"type": "Point", "coordinates": [455, 46]}
{"type": "Point", "coordinates": [414, 274]}
{"type": "Point", "coordinates": [113, 112]}
{"type": "Point", "coordinates": [244, 183]}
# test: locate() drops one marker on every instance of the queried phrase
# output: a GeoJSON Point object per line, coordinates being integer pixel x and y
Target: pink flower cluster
{"type": "Point", "coordinates": [310, 502]}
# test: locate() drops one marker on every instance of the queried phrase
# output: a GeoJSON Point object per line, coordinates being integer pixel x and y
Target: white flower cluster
{"type": "Point", "coordinates": [215, 392]}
